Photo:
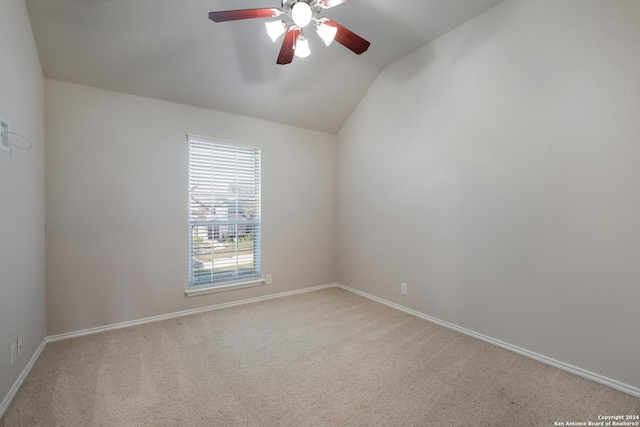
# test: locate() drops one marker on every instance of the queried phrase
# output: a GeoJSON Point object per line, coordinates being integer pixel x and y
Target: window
{"type": "Point", "coordinates": [224, 212]}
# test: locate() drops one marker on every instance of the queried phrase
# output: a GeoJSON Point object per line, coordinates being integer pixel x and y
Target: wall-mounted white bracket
{"type": "Point", "coordinates": [4, 136]}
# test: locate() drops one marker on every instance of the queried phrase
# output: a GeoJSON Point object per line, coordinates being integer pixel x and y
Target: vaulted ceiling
{"type": "Point", "coordinates": [170, 50]}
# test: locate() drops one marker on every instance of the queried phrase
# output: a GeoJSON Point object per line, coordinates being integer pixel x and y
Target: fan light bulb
{"type": "Point", "coordinates": [302, 47]}
{"type": "Point", "coordinates": [301, 14]}
{"type": "Point", "coordinates": [326, 32]}
{"type": "Point", "coordinates": [275, 29]}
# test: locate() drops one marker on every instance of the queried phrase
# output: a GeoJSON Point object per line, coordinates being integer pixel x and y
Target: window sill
{"type": "Point", "coordinates": [214, 289]}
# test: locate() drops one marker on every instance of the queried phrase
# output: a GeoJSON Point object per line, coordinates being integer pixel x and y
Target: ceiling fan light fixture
{"type": "Point", "coordinates": [326, 32]}
{"type": "Point", "coordinates": [275, 29]}
{"type": "Point", "coordinates": [302, 47]}
{"type": "Point", "coordinates": [301, 14]}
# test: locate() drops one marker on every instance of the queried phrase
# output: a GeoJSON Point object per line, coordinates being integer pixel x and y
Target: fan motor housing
{"type": "Point", "coordinates": [287, 5]}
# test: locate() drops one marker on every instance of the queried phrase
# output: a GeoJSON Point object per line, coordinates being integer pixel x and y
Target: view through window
{"type": "Point", "coordinates": [224, 212]}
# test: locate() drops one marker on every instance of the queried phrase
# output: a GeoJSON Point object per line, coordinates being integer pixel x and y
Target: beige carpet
{"type": "Point", "coordinates": [321, 358]}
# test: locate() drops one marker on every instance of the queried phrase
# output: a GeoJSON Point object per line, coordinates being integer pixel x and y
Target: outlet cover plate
{"type": "Point", "coordinates": [4, 136]}
{"type": "Point", "coordinates": [403, 288]}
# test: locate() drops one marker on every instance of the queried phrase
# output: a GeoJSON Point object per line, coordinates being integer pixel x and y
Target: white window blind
{"type": "Point", "coordinates": [224, 212]}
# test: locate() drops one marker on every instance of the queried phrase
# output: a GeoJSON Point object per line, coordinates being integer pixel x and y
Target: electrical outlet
{"type": "Point", "coordinates": [403, 288]}
{"type": "Point", "coordinates": [14, 353]}
{"type": "Point", "coordinates": [269, 279]}
{"type": "Point", "coordinates": [19, 346]}
{"type": "Point", "coordinates": [4, 136]}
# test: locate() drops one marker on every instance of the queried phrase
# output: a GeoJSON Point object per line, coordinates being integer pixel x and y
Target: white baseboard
{"type": "Point", "coordinates": [174, 315]}
{"type": "Point", "coordinates": [634, 391]}
{"type": "Point", "coordinates": [16, 386]}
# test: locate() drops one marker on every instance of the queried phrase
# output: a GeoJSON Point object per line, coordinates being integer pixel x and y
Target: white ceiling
{"type": "Point", "coordinates": [170, 50]}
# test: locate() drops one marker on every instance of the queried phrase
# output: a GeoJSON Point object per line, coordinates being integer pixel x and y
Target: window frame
{"type": "Point", "coordinates": [238, 281]}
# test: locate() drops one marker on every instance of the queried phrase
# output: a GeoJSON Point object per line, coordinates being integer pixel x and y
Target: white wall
{"type": "Point", "coordinates": [117, 205]}
{"type": "Point", "coordinates": [496, 171]}
{"type": "Point", "coordinates": [22, 265]}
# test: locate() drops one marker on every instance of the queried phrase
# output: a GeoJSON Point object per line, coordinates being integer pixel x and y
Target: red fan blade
{"type": "Point", "coordinates": [348, 38]}
{"type": "Point", "coordinates": [288, 46]}
{"type": "Point", "coordinates": [236, 15]}
{"type": "Point", "coordinates": [326, 4]}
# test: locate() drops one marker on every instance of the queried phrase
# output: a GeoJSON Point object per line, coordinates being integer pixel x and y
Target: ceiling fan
{"type": "Point", "coordinates": [302, 13]}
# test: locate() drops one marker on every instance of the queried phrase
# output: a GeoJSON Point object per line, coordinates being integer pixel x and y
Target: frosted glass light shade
{"type": "Point", "coordinates": [301, 14]}
{"type": "Point", "coordinates": [326, 32]}
{"type": "Point", "coordinates": [275, 29]}
{"type": "Point", "coordinates": [302, 47]}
